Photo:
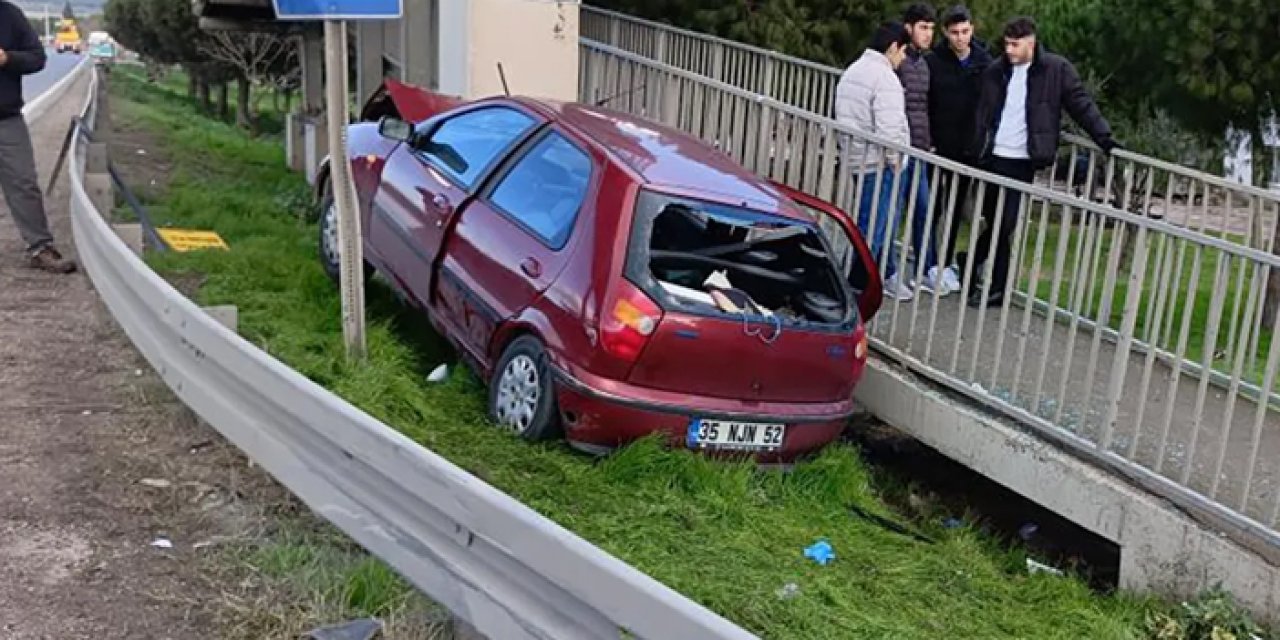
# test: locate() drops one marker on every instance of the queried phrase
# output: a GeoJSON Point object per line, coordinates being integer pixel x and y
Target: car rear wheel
{"type": "Point", "coordinates": [521, 396]}
{"type": "Point", "coordinates": [330, 254]}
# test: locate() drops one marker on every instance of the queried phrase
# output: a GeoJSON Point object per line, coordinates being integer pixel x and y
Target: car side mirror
{"type": "Point", "coordinates": [396, 129]}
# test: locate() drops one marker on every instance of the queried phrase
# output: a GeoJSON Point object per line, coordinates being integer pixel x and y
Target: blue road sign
{"type": "Point", "coordinates": [338, 9]}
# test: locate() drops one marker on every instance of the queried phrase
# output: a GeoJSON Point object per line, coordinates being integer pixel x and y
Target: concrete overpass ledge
{"type": "Point", "coordinates": [1162, 549]}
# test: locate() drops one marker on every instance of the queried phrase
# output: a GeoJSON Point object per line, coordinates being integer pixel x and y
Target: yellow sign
{"type": "Point", "coordinates": [191, 240]}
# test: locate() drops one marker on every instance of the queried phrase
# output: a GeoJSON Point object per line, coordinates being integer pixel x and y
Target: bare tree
{"type": "Point", "coordinates": [263, 61]}
{"type": "Point", "coordinates": [286, 84]}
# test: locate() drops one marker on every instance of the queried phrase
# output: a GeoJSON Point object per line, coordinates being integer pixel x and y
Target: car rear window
{"type": "Point", "coordinates": [712, 259]}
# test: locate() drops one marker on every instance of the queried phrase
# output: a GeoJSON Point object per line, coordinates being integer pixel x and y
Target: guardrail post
{"type": "Point", "coordinates": [102, 114]}
{"type": "Point", "coordinates": [295, 141]}
{"type": "Point", "coordinates": [97, 178]}
{"type": "Point", "coordinates": [227, 315]}
{"type": "Point", "coordinates": [462, 630]}
{"type": "Point", "coordinates": [315, 145]}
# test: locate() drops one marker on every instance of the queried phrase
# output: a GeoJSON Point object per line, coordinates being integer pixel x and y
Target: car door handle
{"type": "Point", "coordinates": [442, 204]}
{"type": "Point", "coordinates": [531, 268]}
{"type": "Point", "coordinates": [443, 207]}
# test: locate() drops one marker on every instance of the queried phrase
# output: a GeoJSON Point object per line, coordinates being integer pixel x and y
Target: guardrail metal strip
{"type": "Point", "coordinates": [492, 561]}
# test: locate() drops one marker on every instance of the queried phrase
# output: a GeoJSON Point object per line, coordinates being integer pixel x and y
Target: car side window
{"type": "Point", "coordinates": [544, 190]}
{"type": "Point", "coordinates": [465, 145]}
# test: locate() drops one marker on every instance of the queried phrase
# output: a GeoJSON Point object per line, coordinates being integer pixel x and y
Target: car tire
{"type": "Point", "coordinates": [521, 394]}
{"type": "Point", "coordinates": [328, 247]}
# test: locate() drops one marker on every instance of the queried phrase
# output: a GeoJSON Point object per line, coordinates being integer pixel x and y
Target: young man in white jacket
{"type": "Point", "coordinates": [870, 98]}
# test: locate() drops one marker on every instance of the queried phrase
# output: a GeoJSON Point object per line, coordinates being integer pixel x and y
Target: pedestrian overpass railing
{"type": "Point", "coordinates": [1135, 183]}
{"type": "Point", "coordinates": [1133, 342]}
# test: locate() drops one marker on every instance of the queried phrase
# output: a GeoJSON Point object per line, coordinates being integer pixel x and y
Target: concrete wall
{"type": "Point", "coordinates": [1162, 550]}
{"type": "Point", "coordinates": [454, 46]}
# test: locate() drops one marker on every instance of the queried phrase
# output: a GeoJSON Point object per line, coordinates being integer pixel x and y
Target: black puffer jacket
{"type": "Point", "coordinates": [1052, 86]}
{"type": "Point", "coordinates": [953, 98]}
{"type": "Point", "coordinates": [26, 56]}
{"type": "Point", "coordinates": [914, 74]}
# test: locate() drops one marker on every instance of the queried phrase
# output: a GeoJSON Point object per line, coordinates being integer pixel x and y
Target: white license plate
{"type": "Point", "coordinates": [725, 434]}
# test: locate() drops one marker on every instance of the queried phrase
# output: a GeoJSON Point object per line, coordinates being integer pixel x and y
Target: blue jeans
{"type": "Point", "coordinates": [879, 185]}
{"type": "Point", "coordinates": [923, 245]}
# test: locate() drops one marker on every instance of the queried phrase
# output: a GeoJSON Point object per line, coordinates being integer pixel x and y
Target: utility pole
{"type": "Point", "coordinates": [335, 14]}
{"type": "Point", "coordinates": [350, 251]}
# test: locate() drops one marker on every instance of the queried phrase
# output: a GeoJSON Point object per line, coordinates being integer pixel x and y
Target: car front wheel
{"type": "Point", "coordinates": [330, 254]}
{"type": "Point", "coordinates": [521, 396]}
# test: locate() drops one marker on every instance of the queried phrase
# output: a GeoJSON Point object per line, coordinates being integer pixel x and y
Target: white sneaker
{"type": "Point", "coordinates": [951, 277]}
{"type": "Point", "coordinates": [894, 288]}
{"type": "Point", "coordinates": [933, 282]}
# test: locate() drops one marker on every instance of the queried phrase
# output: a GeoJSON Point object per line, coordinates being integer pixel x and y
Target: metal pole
{"type": "Point", "coordinates": [349, 245]}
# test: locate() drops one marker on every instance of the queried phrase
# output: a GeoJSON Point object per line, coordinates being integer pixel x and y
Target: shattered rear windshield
{"type": "Point", "coordinates": [713, 259]}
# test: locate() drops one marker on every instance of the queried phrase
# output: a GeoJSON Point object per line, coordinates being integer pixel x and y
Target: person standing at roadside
{"type": "Point", "coordinates": [870, 98]}
{"type": "Point", "coordinates": [1017, 130]}
{"type": "Point", "coordinates": [955, 82]}
{"type": "Point", "coordinates": [22, 54]}
{"type": "Point", "coordinates": [920, 20]}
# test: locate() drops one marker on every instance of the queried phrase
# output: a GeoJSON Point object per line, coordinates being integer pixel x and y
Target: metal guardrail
{"type": "Point", "coordinates": [1133, 182]}
{"type": "Point", "coordinates": [1128, 404]}
{"type": "Point", "coordinates": [508, 571]}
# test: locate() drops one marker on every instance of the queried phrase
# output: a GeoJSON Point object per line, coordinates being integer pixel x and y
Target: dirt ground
{"type": "Point", "coordinates": [98, 461]}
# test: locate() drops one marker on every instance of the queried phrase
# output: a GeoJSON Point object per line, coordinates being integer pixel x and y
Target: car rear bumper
{"type": "Point", "coordinates": [601, 414]}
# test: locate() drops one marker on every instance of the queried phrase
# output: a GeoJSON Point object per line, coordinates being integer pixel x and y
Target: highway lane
{"type": "Point", "coordinates": [59, 65]}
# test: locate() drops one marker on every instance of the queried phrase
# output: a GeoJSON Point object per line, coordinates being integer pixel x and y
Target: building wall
{"type": "Point", "coordinates": [455, 46]}
{"type": "Point", "coordinates": [535, 41]}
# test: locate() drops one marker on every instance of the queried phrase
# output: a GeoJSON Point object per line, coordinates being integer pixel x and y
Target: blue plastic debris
{"type": "Point", "coordinates": [821, 552]}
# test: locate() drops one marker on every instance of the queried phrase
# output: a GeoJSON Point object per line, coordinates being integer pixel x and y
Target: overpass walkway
{"type": "Point", "coordinates": [1137, 332]}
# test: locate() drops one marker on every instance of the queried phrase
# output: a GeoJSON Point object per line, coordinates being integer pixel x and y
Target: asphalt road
{"type": "Point", "coordinates": [59, 65]}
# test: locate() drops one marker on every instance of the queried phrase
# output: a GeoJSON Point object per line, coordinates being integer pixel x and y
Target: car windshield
{"type": "Point", "coordinates": [716, 259]}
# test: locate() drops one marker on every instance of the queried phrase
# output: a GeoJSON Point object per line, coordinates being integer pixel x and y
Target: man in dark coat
{"type": "Point", "coordinates": [22, 54]}
{"type": "Point", "coordinates": [919, 20]}
{"type": "Point", "coordinates": [955, 77]}
{"type": "Point", "coordinates": [1017, 128]}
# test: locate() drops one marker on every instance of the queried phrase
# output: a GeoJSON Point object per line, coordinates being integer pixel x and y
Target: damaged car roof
{"type": "Point", "coordinates": [674, 160]}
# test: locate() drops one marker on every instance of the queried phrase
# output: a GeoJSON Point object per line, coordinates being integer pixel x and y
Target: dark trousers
{"type": "Point", "coordinates": [947, 183]}
{"type": "Point", "coordinates": [20, 185]}
{"type": "Point", "coordinates": [1023, 171]}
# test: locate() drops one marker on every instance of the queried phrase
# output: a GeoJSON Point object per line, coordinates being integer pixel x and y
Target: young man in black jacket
{"type": "Point", "coordinates": [919, 19]}
{"type": "Point", "coordinates": [955, 76]}
{"type": "Point", "coordinates": [1017, 129]}
{"type": "Point", "coordinates": [22, 54]}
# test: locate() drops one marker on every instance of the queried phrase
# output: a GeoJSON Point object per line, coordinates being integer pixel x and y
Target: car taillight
{"type": "Point", "coordinates": [629, 320]}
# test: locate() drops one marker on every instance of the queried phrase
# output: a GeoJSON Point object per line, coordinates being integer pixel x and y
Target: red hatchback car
{"type": "Point", "coordinates": [610, 277]}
